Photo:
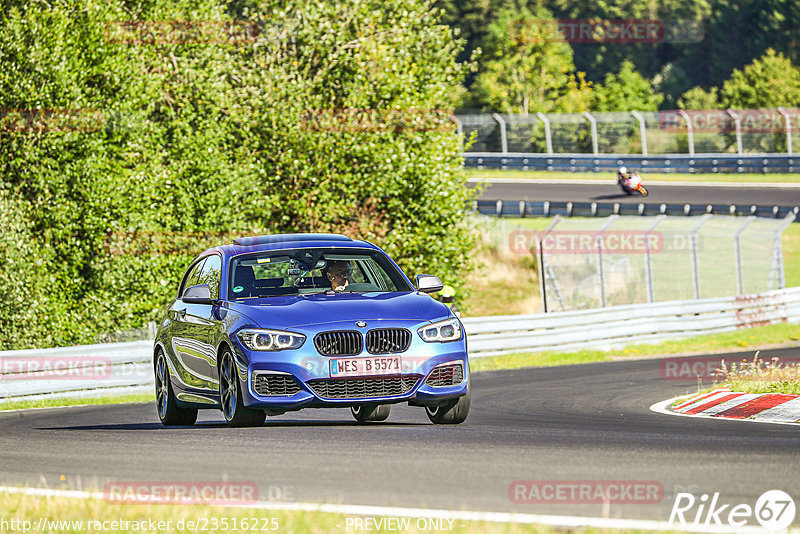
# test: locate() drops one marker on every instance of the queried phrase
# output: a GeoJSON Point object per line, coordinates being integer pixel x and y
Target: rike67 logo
{"type": "Point", "coordinates": [774, 510]}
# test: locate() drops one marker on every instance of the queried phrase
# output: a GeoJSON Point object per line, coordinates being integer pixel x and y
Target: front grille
{"type": "Point", "coordinates": [361, 388]}
{"type": "Point", "coordinates": [345, 343]}
{"type": "Point", "coordinates": [268, 384]}
{"type": "Point", "coordinates": [388, 340]}
{"type": "Point", "coordinates": [446, 375]}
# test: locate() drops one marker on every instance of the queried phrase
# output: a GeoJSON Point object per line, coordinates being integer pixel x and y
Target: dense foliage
{"type": "Point", "coordinates": [710, 39]}
{"type": "Point", "coordinates": [128, 146]}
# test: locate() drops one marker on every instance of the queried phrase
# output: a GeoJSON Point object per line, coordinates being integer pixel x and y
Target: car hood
{"type": "Point", "coordinates": [296, 311]}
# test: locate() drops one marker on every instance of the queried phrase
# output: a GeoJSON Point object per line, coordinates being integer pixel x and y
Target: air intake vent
{"type": "Point", "coordinates": [363, 388]}
{"type": "Point", "coordinates": [268, 384]}
{"type": "Point", "coordinates": [446, 375]}
{"type": "Point", "coordinates": [345, 343]}
{"type": "Point", "coordinates": [388, 340]}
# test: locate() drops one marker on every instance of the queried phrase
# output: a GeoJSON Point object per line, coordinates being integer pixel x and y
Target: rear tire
{"type": "Point", "coordinates": [230, 396]}
{"type": "Point", "coordinates": [367, 413]}
{"type": "Point", "coordinates": [169, 412]}
{"type": "Point", "coordinates": [452, 412]}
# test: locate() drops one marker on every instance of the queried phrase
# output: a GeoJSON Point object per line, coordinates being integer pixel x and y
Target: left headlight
{"type": "Point", "coordinates": [270, 340]}
{"type": "Point", "coordinates": [447, 330]}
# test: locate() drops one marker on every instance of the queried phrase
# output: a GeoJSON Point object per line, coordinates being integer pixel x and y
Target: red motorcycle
{"type": "Point", "coordinates": [632, 184]}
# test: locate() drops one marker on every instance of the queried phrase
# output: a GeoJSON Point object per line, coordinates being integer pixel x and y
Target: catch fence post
{"type": "Point", "coordinates": [788, 122]}
{"type": "Point", "coordinates": [648, 266]}
{"type": "Point", "coordinates": [547, 137]}
{"type": "Point", "coordinates": [503, 138]}
{"type": "Point", "coordinates": [642, 130]}
{"type": "Point", "coordinates": [738, 126]}
{"type": "Point", "coordinates": [599, 243]}
{"type": "Point", "coordinates": [593, 125]}
{"type": "Point", "coordinates": [737, 251]}
{"type": "Point", "coordinates": [689, 130]}
{"type": "Point", "coordinates": [695, 263]}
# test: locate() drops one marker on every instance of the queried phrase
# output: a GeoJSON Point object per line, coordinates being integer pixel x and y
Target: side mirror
{"type": "Point", "coordinates": [427, 283]}
{"type": "Point", "coordinates": [199, 294]}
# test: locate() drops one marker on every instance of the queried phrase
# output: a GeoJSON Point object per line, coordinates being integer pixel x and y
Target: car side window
{"type": "Point", "coordinates": [211, 274]}
{"type": "Point", "coordinates": [191, 276]}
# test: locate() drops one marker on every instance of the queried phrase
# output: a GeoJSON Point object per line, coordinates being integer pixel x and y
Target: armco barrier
{"type": "Point", "coordinates": [128, 366]}
{"type": "Point", "coordinates": [680, 163]}
{"type": "Point", "coordinates": [546, 208]}
{"type": "Point", "coordinates": [91, 369]}
{"type": "Point", "coordinates": [636, 323]}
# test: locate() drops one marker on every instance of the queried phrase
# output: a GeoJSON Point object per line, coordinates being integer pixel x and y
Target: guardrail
{"type": "Point", "coordinates": [635, 323]}
{"type": "Point", "coordinates": [546, 208]}
{"type": "Point", "coordinates": [90, 370]}
{"type": "Point", "coordinates": [83, 370]}
{"type": "Point", "coordinates": [679, 163]}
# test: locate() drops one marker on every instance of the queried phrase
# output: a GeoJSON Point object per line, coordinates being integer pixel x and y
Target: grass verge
{"type": "Point", "coordinates": [751, 338]}
{"type": "Point", "coordinates": [136, 398]}
{"type": "Point", "coordinates": [564, 176]}
{"type": "Point", "coordinates": [760, 376]}
{"type": "Point", "coordinates": [164, 518]}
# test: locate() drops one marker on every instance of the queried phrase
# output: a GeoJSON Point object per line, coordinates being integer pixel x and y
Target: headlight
{"type": "Point", "coordinates": [270, 339]}
{"type": "Point", "coordinates": [448, 330]}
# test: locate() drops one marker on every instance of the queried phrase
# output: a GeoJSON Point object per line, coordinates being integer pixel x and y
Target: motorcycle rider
{"type": "Point", "coordinates": [622, 175]}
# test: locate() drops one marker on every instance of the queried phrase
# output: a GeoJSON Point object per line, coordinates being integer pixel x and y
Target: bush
{"type": "Point", "coordinates": [150, 145]}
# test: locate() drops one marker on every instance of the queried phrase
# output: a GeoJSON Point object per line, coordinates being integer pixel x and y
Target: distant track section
{"type": "Point", "coordinates": [521, 198]}
{"type": "Point", "coordinates": [679, 163]}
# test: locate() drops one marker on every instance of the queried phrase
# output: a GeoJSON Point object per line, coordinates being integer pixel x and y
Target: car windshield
{"type": "Point", "coordinates": [313, 270]}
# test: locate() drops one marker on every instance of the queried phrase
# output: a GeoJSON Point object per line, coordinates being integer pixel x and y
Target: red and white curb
{"type": "Point", "coordinates": [726, 404]}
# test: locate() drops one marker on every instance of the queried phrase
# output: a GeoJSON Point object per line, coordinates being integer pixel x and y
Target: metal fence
{"type": "Point", "coordinates": [762, 131]}
{"type": "Point", "coordinates": [617, 260]}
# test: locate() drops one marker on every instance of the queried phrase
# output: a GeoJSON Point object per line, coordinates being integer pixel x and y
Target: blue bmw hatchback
{"type": "Point", "coordinates": [277, 323]}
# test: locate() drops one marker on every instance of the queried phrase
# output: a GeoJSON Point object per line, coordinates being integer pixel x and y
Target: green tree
{"type": "Point", "coordinates": [199, 140]}
{"type": "Point", "coordinates": [526, 67]}
{"type": "Point", "coordinates": [699, 98]}
{"type": "Point", "coordinates": [769, 81]}
{"type": "Point", "coordinates": [627, 90]}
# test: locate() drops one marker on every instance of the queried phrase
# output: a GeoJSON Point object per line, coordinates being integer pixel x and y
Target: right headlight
{"type": "Point", "coordinates": [270, 340]}
{"type": "Point", "coordinates": [441, 332]}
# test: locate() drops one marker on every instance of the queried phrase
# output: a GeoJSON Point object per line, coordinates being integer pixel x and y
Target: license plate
{"type": "Point", "coordinates": [378, 365]}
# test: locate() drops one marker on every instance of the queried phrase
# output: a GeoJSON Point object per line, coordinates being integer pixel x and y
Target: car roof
{"type": "Point", "coordinates": [245, 245]}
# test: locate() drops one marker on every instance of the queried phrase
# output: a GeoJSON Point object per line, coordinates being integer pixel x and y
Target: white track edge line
{"type": "Point", "coordinates": [368, 510]}
{"type": "Point", "coordinates": [661, 407]}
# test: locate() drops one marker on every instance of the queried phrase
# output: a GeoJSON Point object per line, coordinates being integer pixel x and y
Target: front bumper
{"type": "Point", "coordinates": [307, 367]}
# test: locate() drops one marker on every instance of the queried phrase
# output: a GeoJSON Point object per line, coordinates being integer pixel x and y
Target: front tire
{"type": "Point", "coordinates": [643, 191]}
{"type": "Point", "coordinates": [366, 413]}
{"type": "Point", "coordinates": [169, 412]}
{"type": "Point", "coordinates": [453, 412]}
{"type": "Point", "coordinates": [230, 396]}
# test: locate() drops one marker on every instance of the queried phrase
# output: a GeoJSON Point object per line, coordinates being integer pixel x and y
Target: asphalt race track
{"type": "Point", "coordinates": [569, 423]}
{"type": "Point", "coordinates": [659, 193]}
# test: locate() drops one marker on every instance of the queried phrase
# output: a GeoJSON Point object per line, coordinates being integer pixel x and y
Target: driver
{"type": "Point", "coordinates": [338, 273]}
